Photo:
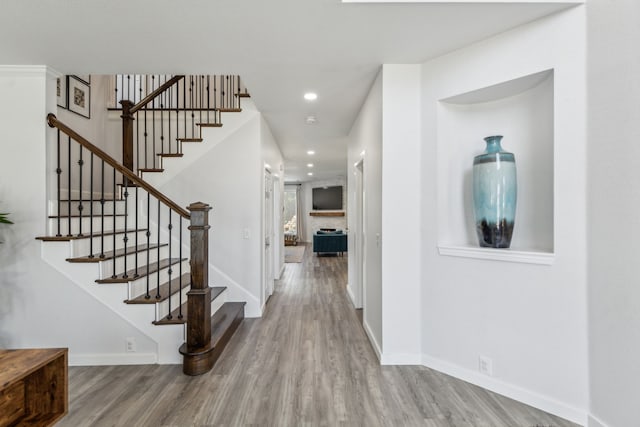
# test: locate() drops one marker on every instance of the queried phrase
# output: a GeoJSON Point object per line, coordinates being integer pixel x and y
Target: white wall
{"type": "Point", "coordinates": [311, 224]}
{"type": "Point", "coordinates": [229, 177]}
{"type": "Point", "coordinates": [365, 143]}
{"type": "Point", "coordinates": [614, 220]}
{"type": "Point", "coordinates": [39, 307]}
{"type": "Point", "coordinates": [530, 320]}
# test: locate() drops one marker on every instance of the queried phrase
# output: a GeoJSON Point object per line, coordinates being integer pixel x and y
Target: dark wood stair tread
{"type": "Point", "coordinates": [118, 253]}
{"type": "Point", "coordinates": [243, 95]}
{"type": "Point", "coordinates": [150, 170]}
{"type": "Point", "coordinates": [86, 236]}
{"type": "Point", "coordinates": [176, 283]}
{"type": "Point", "coordinates": [230, 110]}
{"type": "Point", "coordinates": [224, 323]}
{"type": "Point", "coordinates": [190, 139]}
{"type": "Point", "coordinates": [142, 271]}
{"type": "Point", "coordinates": [170, 155]}
{"type": "Point", "coordinates": [209, 125]}
{"type": "Point", "coordinates": [215, 292]}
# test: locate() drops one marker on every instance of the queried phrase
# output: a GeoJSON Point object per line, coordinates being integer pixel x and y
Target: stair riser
{"type": "Point", "coordinates": [86, 225]}
{"type": "Point", "coordinates": [82, 247]}
{"type": "Point", "coordinates": [139, 286]}
{"type": "Point", "coordinates": [162, 308]}
{"type": "Point", "coordinates": [86, 207]}
{"type": "Point", "coordinates": [107, 267]}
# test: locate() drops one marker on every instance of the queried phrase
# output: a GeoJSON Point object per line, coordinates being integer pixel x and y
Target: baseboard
{"type": "Point", "coordinates": [401, 359]}
{"type": "Point", "coordinates": [112, 359]}
{"type": "Point", "coordinates": [281, 271]}
{"type": "Point", "coordinates": [372, 339]}
{"type": "Point", "coordinates": [595, 422]}
{"type": "Point", "coordinates": [528, 397]}
{"type": "Point", "coordinates": [352, 298]}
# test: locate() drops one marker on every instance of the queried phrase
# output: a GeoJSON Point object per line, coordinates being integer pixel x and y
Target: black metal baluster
{"type": "Point", "coordinates": [115, 91]}
{"type": "Point", "coordinates": [125, 239]}
{"type": "Point", "coordinates": [102, 213]}
{"type": "Point", "coordinates": [208, 100]}
{"type": "Point", "coordinates": [146, 137]}
{"type": "Point", "coordinates": [153, 124]}
{"type": "Point", "coordinates": [69, 234]}
{"type": "Point", "coordinates": [59, 173]}
{"type": "Point", "coordinates": [193, 117]}
{"type": "Point", "coordinates": [91, 207]}
{"type": "Point", "coordinates": [170, 271]}
{"type": "Point", "coordinates": [128, 86]}
{"type": "Point", "coordinates": [158, 260]}
{"type": "Point", "coordinates": [136, 233]}
{"type": "Point", "coordinates": [114, 275]}
{"type": "Point", "coordinates": [148, 295]}
{"type": "Point", "coordinates": [201, 93]}
{"type": "Point", "coordinates": [180, 268]}
{"type": "Point", "coordinates": [184, 105]}
{"type": "Point", "coordinates": [80, 207]}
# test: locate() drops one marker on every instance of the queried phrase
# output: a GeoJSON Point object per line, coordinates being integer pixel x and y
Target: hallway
{"type": "Point", "coordinates": [306, 362]}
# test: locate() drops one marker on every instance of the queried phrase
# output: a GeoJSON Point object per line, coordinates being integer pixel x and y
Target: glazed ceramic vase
{"type": "Point", "coordinates": [494, 194]}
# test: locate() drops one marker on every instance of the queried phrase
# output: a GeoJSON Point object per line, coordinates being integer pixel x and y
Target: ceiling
{"type": "Point", "coordinates": [281, 48]}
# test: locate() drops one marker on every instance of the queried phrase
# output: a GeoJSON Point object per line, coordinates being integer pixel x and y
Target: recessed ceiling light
{"type": "Point", "coordinates": [311, 152]}
{"type": "Point", "coordinates": [310, 173]}
{"type": "Point", "coordinates": [310, 96]}
{"type": "Point", "coordinates": [309, 165]}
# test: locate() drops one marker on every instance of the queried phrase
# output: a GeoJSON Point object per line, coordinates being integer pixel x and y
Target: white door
{"type": "Point", "coordinates": [268, 236]}
{"type": "Point", "coordinates": [278, 230]}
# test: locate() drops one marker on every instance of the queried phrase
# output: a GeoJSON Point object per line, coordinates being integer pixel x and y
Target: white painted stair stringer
{"type": "Point", "coordinates": [167, 337]}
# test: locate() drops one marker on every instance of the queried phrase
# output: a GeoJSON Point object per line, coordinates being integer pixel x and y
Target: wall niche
{"type": "Point", "coordinates": [522, 110]}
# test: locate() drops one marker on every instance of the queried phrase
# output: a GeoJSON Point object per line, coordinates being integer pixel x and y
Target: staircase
{"type": "Point", "coordinates": [131, 246]}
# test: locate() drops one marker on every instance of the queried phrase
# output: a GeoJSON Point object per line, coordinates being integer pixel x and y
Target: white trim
{"type": "Point", "coordinates": [528, 397]}
{"type": "Point", "coordinates": [401, 359]}
{"type": "Point", "coordinates": [281, 272]}
{"type": "Point", "coordinates": [372, 339]}
{"type": "Point", "coordinates": [595, 422]}
{"type": "Point", "coordinates": [527, 257]}
{"type": "Point", "coordinates": [24, 70]}
{"type": "Point", "coordinates": [468, 1]}
{"type": "Point", "coordinates": [112, 359]}
{"type": "Point", "coordinates": [352, 298]}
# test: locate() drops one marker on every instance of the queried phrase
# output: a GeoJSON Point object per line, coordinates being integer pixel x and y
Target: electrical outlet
{"type": "Point", "coordinates": [485, 365]}
{"type": "Point", "coordinates": [130, 344]}
{"type": "Point", "coordinates": [245, 233]}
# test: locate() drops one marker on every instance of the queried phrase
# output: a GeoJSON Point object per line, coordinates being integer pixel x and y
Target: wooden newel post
{"type": "Point", "coordinates": [198, 351]}
{"type": "Point", "coordinates": [127, 134]}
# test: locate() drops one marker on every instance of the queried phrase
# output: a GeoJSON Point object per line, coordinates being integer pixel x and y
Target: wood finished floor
{"type": "Point", "coordinates": [307, 362]}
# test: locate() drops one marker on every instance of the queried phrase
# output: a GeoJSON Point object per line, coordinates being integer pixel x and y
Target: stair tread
{"type": "Point", "coordinates": [86, 236]}
{"type": "Point", "coordinates": [170, 155]}
{"type": "Point", "coordinates": [209, 125]}
{"type": "Point", "coordinates": [215, 292]}
{"type": "Point", "coordinates": [118, 253]}
{"type": "Point", "coordinates": [149, 170]}
{"type": "Point", "coordinates": [142, 271]}
{"type": "Point", "coordinates": [222, 320]}
{"type": "Point", "coordinates": [224, 323]}
{"type": "Point", "coordinates": [182, 281]}
{"type": "Point", "coordinates": [230, 110]}
{"type": "Point", "coordinates": [190, 139]}
{"type": "Point", "coordinates": [95, 199]}
{"type": "Point", "coordinates": [243, 95]}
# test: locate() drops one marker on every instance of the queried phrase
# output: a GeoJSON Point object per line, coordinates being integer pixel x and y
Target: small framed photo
{"type": "Point", "coordinates": [61, 91]}
{"type": "Point", "coordinates": [84, 77]}
{"type": "Point", "coordinates": [79, 97]}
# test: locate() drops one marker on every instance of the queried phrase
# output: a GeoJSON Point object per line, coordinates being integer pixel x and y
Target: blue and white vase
{"type": "Point", "coordinates": [494, 194]}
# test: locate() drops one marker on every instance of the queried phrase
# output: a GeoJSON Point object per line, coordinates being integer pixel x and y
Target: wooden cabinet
{"type": "Point", "coordinates": [33, 386]}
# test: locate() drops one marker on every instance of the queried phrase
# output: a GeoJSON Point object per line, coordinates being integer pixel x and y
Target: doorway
{"type": "Point", "coordinates": [359, 237]}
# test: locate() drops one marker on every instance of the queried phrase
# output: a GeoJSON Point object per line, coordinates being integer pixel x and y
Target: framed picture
{"type": "Point", "coordinates": [79, 96]}
{"type": "Point", "coordinates": [61, 92]}
{"type": "Point", "coordinates": [84, 77]}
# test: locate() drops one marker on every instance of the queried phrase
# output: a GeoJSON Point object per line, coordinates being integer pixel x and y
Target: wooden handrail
{"type": "Point", "coordinates": [53, 121]}
{"type": "Point", "coordinates": [147, 99]}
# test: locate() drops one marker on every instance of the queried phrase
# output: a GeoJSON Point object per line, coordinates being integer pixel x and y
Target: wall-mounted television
{"type": "Point", "coordinates": [327, 198]}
